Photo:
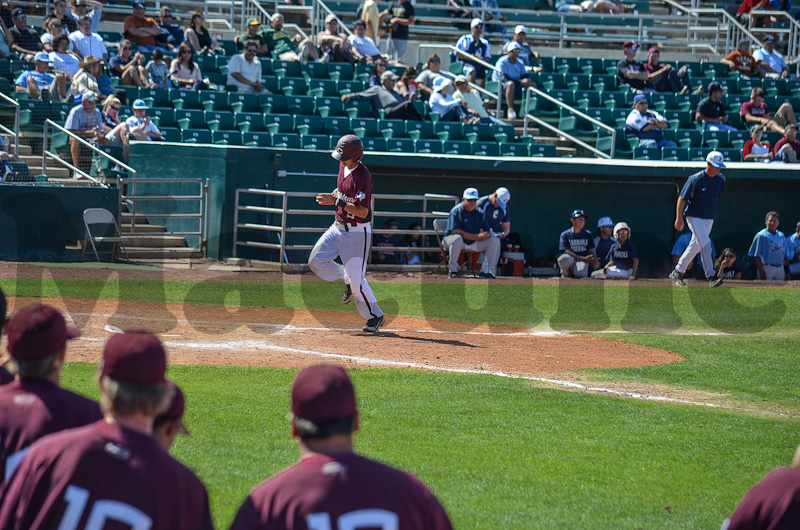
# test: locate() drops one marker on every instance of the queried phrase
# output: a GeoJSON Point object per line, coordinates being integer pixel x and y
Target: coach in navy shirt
{"type": "Point", "coordinates": [577, 245]}
{"type": "Point", "coordinates": [698, 202]}
{"type": "Point", "coordinates": [467, 228]}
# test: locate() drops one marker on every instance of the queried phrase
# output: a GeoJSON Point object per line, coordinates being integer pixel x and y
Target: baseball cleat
{"type": "Point", "coordinates": [453, 274]}
{"type": "Point", "coordinates": [486, 276]}
{"type": "Point", "coordinates": [373, 324]}
{"type": "Point", "coordinates": [348, 295]}
{"type": "Point", "coordinates": [714, 281]}
{"type": "Point", "coordinates": [677, 277]}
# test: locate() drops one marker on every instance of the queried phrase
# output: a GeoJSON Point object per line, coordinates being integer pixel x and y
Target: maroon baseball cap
{"type": "Point", "coordinates": [629, 44]}
{"type": "Point", "coordinates": [348, 147]}
{"type": "Point", "coordinates": [176, 408]}
{"type": "Point", "coordinates": [38, 331]}
{"type": "Point", "coordinates": [134, 357]}
{"type": "Point", "coordinates": [322, 393]}
{"type": "Point", "coordinates": [653, 50]}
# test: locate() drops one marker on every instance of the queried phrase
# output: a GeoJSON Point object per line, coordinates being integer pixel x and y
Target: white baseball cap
{"type": "Point", "coordinates": [715, 158]}
{"type": "Point", "coordinates": [622, 226]}
{"type": "Point", "coordinates": [514, 45]}
{"type": "Point", "coordinates": [520, 29]}
{"type": "Point", "coordinates": [43, 57]}
{"type": "Point", "coordinates": [470, 193]}
{"type": "Point", "coordinates": [139, 104]}
{"type": "Point", "coordinates": [605, 221]}
{"type": "Point", "coordinates": [476, 22]}
{"type": "Point", "coordinates": [440, 83]}
{"type": "Point", "coordinates": [503, 196]}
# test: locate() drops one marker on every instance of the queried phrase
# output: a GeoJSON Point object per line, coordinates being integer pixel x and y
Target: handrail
{"type": "Point", "coordinates": [247, 6]}
{"type": "Point", "coordinates": [46, 153]}
{"type": "Point", "coordinates": [731, 20]}
{"type": "Point", "coordinates": [15, 132]}
{"type": "Point", "coordinates": [574, 111]}
{"type": "Point", "coordinates": [320, 11]}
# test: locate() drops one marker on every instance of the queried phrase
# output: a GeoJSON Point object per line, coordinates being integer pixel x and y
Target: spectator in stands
{"type": "Point", "coordinates": [756, 111]}
{"type": "Point", "coordinates": [474, 44]}
{"type": "Point", "coordinates": [138, 127]}
{"type": "Point", "coordinates": [475, 106]}
{"type": "Point", "coordinates": [372, 20]}
{"type": "Point", "coordinates": [5, 38]}
{"type": "Point", "coordinates": [711, 110]}
{"type": "Point", "coordinates": [695, 269]}
{"type": "Point", "coordinates": [111, 117]}
{"type": "Point", "coordinates": [60, 13]}
{"type": "Point", "coordinates": [750, 8]}
{"type": "Point", "coordinates": [26, 41]}
{"type": "Point", "coordinates": [787, 149]}
{"type": "Point", "coordinates": [412, 241]}
{"type": "Point", "coordinates": [362, 47]}
{"type": "Point", "coordinates": [185, 73]}
{"type": "Point", "coordinates": [6, 15]}
{"type": "Point", "coordinates": [770, 61]}
{"type": "Point", "coordinates": [285, 48]}
{"type": "Point", "coordinates": [770, 251]}
{"type": "Point", "coordinates": [198, 36]}
{"type": "Point", "coordinates": [129, 67]}
{"type": "Point", "coordinates": [402, 18]}
{"type": "Point", "coordinates": [613, 7]}
{"type": "Point", "coordinates": [528, 57]}
{"type": "Point", "coordinates": [727, 267]}
{"type": "Point", "coordinates": [385, 98]}
{"type": "Point", "coordinates": [604, 241]}
{"type": "Point", "coordinates": [252, 32]}
{"type": "Point", "coordinates": [86, 43]}
{"type": "Point", "coordinates": [158, 70]}
{"type": "Point", "coordinates": [171, 33]}
{"type": "Point", "coordinates": [646, 125]}
{"type": "Point", "coordinates": [377, 71]}
{"type": "Point", "coordinates": [244, 70]}
{"type": "Point", "coordinates": [39, 83]}
{"type": "Point", "coordinates": [384, 257]}
{"type": "Point", "coordinates": [622, 259]}
{"type": "Point", "coordinates": [53, 28]}
{"type": "Point", "coordinates": [80, 9]}
{"type": "Point", "coordinates": [449, 108]}
{"type": "Point", "coordinates": [426, 78]}
{"type": "Point", "coordinates": [107, 88]}
{"type": "Point", "coordinates": [64, 60]}
{"type": "Point", "coordinates": [334, 44]}
{"type": "Point", "coordinates": [663, 77]}
{"type": "Point", "coordinates": [630, 71]}
{"type": "Point", "coordinates": [85, 121]}
{"type": "Point", "coordinates": [512, 74]}
{"type": "Point", "coordinates": [142, 30]}
{"type": "Point", "coordinates": [755, 150]}
{"type": "Point", "coordinates": [493, 19]}
{"type": "Point", "coordinates": [742, 62]}
{"type": "Point", "coordinates": [407, 86]}
{"type": "Point", "coordinates": [85, 79]}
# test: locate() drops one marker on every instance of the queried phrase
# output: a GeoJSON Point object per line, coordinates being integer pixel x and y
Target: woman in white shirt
{"type": "Point", "coordinates": [53, 28]}
{"type": "Point", "coordinates": [184, 72]}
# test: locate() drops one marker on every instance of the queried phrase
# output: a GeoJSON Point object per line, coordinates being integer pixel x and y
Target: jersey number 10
{"type": "Point", "coordinates": [102, 511]}
{"type": "Point", "coordinates": [370, 518]}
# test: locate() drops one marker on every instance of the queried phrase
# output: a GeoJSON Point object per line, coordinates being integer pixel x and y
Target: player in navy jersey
{"type": "Point", "coordinates": [622, 260]}
{"type": "Point", "coordinates": [332, 487]}
{"type": "Point", "coordinates": [578, 258]}
{"type": "Point", "coordinates": [33, 405]}
{"type": "Point", "coordinates": [111, 473]}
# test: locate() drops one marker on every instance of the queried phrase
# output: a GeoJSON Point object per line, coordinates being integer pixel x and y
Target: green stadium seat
{"type": "Point", "coordinates": [6, 87]}
{"type": "Point", "coordinates": [547, 109]}
{"type": "Point", "coordinates": [647, 153]}
{"type": "Point", "coordinates": [687, 102]}
{"type": "Point", "coordinates": [544, 150]}
{"type": "Point", "coordinates": [322, 87]}
{"type": "Point", "coordinates": [362, 108]}
{"type": "Point", "coordinates": [32, 114]}
{"type": "Point", "coordinates": [583, 128]}
{"type": "Point", "coordinates": [456, 68]}
{"type": "Point", "coordinates": [220, 121]}
{"type": "Point", "coordinates": [185, 99]}
{"type": "Point", "coordinates": [697, 154]}
{"type": "Point", "coordinates": [328, 106]}
{"type": "Point", "coordinates": [745, 86]}
{"type": "Point", "coordinates": [678, 154]}
{"type": "Point", "coordinates": [417, 130]}
{"type": "Point", "coordinates": [227, 137]}
{"type": "Point", "coordinates": [365, 127]}
{"type": "Point", "coordinates": [336, 126]}
{"type": "Point", "coordinates": [190, 119]}
{"type": "Point", "coordinates": [478, 133]}
{"type": "Point", "coordinates": [687, 138]}
{"type": "Point", "coordinates": [512, 149]}
{"type": "Point", "coordinates": [428, 146]}
{"type": "Point", "coordinates": [170, 134]}
{"type": "Point", "coordinates": [111, 38]}
{"type": "Point", "coordinates": [250, 122]}
{"type": "Point", "coordinates": [229, 47]}
{"type": "Point", "coordinates": [272, 84]}
{"type": "Point", "coordinates": [793, 87]}
{"type": "Point", "coordinates": [678, 119]}
{"type": "Point", "coordinates": [340, 71]}
{"type": "Point", "coordinates": [363, 72]}
{"type": "Point", "coordinates": [604, 83]}
{"type": "Point", "coordinates": [217, 101]}
{"type": "Point", "coordinates": [271, 104]}
{"type": "Point", "coordinates": [196, 136]}
{"type": "Point", "coordinates": [318, 142]}
{"type": "Point", "coordinates": [306, 125]}
{"type": "Point", "coordinates": [267, 66]}
{"type": "Point", "coordinates": [163, 117]}
{"type": "Point", "coordinates": [502, 133]}
{"type": "Point", "coordinates": [400, 145]}
{"type": "Point", "coordinates": [5, 69]}
{"type": "Point", "coordinates": [577, 82]}
{"type": "Point", "coordinates": [317, 70]}
{"type": "Point", "coordinates": [456, 147]}
{"type": "Point", "coordinates": [715, 139]}
{"type": "Point", "coordinates": [610, 65]}
{"type": "Point", "coordinates": [374, 144]}
{"type": "Point", "coordinates": [300, 105]}
{"type": "Point", "coordinates": [449, 130]}
{"type": "Point", "coordinates": [286, 141]}
{"type": "Point", "coordinates": [718, 71]}
{"type": "Point", "coordinates": [731, 155]}
{"type": "Point", "coordinates": [293, 86]}
{"type": "Point", "coordinates": [585, 99]}
{"type": "Point", "coordinates": [59, 111]}
{"type": "Point", "coordinates": [551, 81]}
{"type": "Point", "coordinates": [207, 63]}
{"type": "Point", "coordinates": [349, 86]}
{"type": "Point", "coordinates": [661, 101]}
{"type": "Point", "coordinates": [485, 149]}
{"type": "Point", "coordinates": [566, 65]}
{"type": "Point", "coordinates": [775, 87]}
{"type": "Point", "coordinates": [279, 123]}
{"type": "Point", "coordinates": [257, 139]}
{"type": "Point", "coordinates": [283, 69]}
{"type": "Point", "coordinates": [392, 128]}
{"type": "Point", "coordinates": [240, 102]}
{"type": "Point", "coordinates": [735, 120]}
{"type": "Point", "coordinates": [154, 97]}
{"type": "Point", "coordinates": [737, 139]}
{"type": "Point", "coordinates": [590, 66]}
{"type": "Point", "coordinates": [614, 100]}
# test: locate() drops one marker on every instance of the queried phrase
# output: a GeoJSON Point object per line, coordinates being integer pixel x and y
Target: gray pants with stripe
{"type": "Point", "coordinates": [353, 247]}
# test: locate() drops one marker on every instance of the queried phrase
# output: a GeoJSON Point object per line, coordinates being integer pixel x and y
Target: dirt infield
{"type": "Point", "coordinates": [210, 335]}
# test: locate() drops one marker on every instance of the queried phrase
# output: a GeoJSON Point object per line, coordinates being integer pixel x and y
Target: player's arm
{"type": "Point", "coordinates": [568, 252]}
{"type": "Point", "coordinates": [635, 268]}
{"type": "Point", "coordinates": [328, 199]}
{"type": "Point", "coordinates": [506, 230]}
{"type": "Point", "coordinates": [679, 207]}
{"type": "Point", "coordinates": [760, 266]}
{"type": "Point", "coordinates": [470, 236]}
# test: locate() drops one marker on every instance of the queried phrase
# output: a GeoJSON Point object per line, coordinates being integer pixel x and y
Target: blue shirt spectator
{"type": "Point", "coordinates": [513, 71]}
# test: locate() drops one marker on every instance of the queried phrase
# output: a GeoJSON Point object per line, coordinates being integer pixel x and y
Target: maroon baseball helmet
{"type": "Point", "coordinates": [349, 147]}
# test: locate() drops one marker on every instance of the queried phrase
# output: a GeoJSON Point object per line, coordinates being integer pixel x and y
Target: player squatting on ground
{"type": "Point", "coordinates": [698, 201]}
{"type": "Point", "coordinates": [350, 235]}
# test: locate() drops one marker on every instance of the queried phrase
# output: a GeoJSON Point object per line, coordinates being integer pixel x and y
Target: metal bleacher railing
{"type": "Point", "coordinates": [61, 137]}
{"type": "Point", "coordinates": [12, 133]}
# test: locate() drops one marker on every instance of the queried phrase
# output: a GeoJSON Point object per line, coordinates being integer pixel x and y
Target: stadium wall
{"type": "Point", "coordinates": [544, 192]}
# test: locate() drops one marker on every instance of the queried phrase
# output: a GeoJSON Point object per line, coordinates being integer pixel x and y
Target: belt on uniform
{"type": "Point", "coordinates": [775, 266]}
{"type": "Point", "coordinates": [347, 226]}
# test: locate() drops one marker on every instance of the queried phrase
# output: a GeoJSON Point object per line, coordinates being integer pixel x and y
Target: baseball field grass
{"type": "Point", "coordinates": [507, 453]}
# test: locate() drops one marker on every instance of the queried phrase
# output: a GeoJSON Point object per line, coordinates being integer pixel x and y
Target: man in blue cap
{"type": "Point", "coordinates": [646, 125]}
{"type": "Point", "coordinates": [630, 71]}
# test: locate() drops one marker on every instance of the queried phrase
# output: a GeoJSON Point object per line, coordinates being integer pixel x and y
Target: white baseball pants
{"type": "Point", "coordinates": [699, 244]}
{"type": "Point", "coordinates": [353, 247]}
{"type": "Point", "coordinates": [613, 273]}
{"type": "Point", "coordinates": [572, 267]}
{"type": "Point", "coordinates": [774, 273]}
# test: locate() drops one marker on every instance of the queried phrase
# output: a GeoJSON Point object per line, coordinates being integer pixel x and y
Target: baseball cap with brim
{"type": "Point", "coordinates": [330, 18]}
{"type": "Point", "coordinates": [653, 50]}
{"type": "Point", "coordinates": [440, 83]}
{"type": "Point", "coordinates": [742, 41]}
{"type": "Point", "coordinates": [388, 74]}
{"type": "Point", "coordinates": [139, 104]}
{"type": "Point", "coordinates": [475, 22]}
{"type": "Point", "coordinates": [470, 193]}
{"type": "Point", "coordinates": [514, 46]}
{"type": "Point", "coordinates": [630, 44]}
{"type": "Point", "coordinates": [578, 213]}
{"type": "Point", "coordinates": [519, 29]}
{"type": "Point", "coordinates": [36, 332]}
{"type": "Point", "coordinates": [323, 393]}
{"type": "Point", "coordinates": [715, 158]}
{"type": "Point", "coordinates": [769, 38]}
{"type": "Point", "coordinates": [503, 196]}
{"type": "Point", "coordinates": [43, 57]}
{"type": "Point", "coordinates": [89, 96]}
{"type": "Point", "coordinates": [135, 357]}
{"type": "Point", "coordinates": [605, 221]}
{"type": "Point", "coordinates": [253, 22]}
{"type": "Point", "coordinates": [714, 87]}
{"type": "Point", "coordinates": [460, 78]}
{"type": "Point", "coordinates": [639, 97]}
{"type": "Point", "coordinates": [139, 5]}
{"type": "Point", "coordinates": [177, 406]}
{"type": "Point", "coordinates": [18, 13]}
{"type": "Point", "coordinates": [276, 16]}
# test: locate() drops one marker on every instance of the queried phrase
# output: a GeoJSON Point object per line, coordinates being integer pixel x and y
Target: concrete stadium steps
{"type": "Point", "coordinates": [158, 246]}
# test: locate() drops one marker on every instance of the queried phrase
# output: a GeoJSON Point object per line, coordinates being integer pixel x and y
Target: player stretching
{"type": "Point", "coordinates": [351, 233]}
{"type": "Point", "coordinates": [698, 200]}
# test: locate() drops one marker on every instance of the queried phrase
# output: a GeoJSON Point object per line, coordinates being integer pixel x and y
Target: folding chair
{"type": "Point", "coordinates": [440, 225]}
{"type": "Point", "coordinates": [101, 216]}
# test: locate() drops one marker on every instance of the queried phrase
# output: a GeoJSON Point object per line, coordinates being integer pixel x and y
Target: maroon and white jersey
{"type": "Point", "coordinates": [32, 409]}
{"type": "Point", "coordinates": [5, 376]}
{"type": "Point", "coordinates": [355, 188]}
{"type": "Point", "coordinates": [772, 504]}
{"type": "Point", "coordinates": [102, 477]}
{"type": "Point", "coordinates": [344, 492]}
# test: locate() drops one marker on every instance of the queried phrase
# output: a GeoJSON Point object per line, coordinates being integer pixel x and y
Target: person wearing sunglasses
{"type": "Point", "coordinates": [53, 28]}
{"type": "Point", "coordinates": [426, 78]}
{"type": "Point", "coordinates": [60, 13]}
{"type": "Point", "coordinates": [129, 67]}
{"type": "Point", "coordinates": [727, 266]}
{"type": "Point", "coordinates": [474, 44]}
{"type": "Point", "coordinates": [172, 34]}
{"type": "Point", "coordinates": [26, 41]}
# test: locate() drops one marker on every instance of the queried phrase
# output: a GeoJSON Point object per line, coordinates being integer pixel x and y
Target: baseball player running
{"type": "Point", "coordinates": [350, 235]}
{"type": "Point", "coordinates": [698, 201]}
{"type": "Point", "coordinates": [332, 487]}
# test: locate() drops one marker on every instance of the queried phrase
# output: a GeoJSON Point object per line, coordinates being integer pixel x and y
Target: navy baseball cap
{"type": "Point", "coordinates": [639, 97]}
{"type": "Point", "coordinates": [714, 87]}
{"type": "Point", "coordinates": [769, 38]}
{"type": "Point", "coordinates": [323, 393]}
{"type": "Point", "coordinates": [36, 332]}
{"type": "Point", "coordinates": [578, 213]}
